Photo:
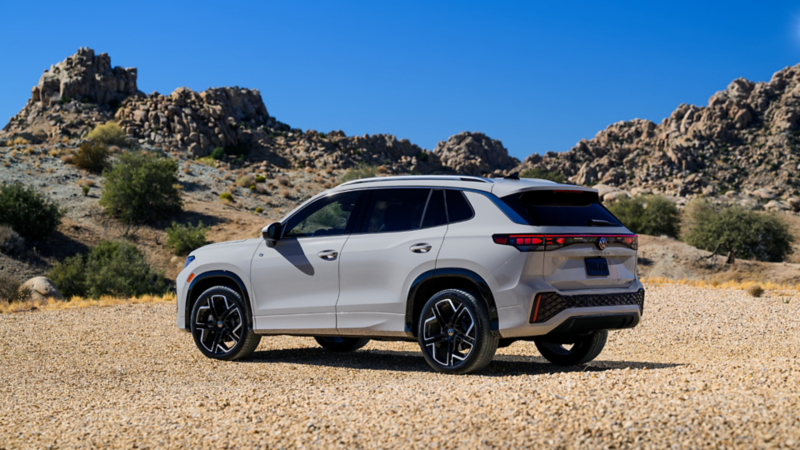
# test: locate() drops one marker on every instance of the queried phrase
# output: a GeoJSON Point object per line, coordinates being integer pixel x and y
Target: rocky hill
{"type": "Point", "coordinates": [744, 146]}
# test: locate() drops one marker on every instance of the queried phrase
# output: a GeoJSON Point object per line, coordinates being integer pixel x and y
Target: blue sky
{"type": "Point", "coordinates": [539, 76]}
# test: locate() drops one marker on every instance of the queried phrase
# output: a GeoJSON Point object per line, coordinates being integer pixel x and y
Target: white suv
{"type": "Point", "coordinates": [462, 265]}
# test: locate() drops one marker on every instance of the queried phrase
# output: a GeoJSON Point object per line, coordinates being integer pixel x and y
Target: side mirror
{"type": "Point", "coordinates": [271, 233]}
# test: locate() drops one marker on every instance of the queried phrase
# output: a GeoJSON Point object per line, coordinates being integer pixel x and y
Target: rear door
{"type": "Point", "coordinates": [400, 236]}
{"type": "Point", "coordinates": [584, 246]}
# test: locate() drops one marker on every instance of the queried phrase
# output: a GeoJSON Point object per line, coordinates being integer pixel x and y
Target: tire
{"type": "Point", "coordinates": [465, 343]}
{"type": "Point", "coordinates": [341, 344]}
{"type": "Point", "coordinates": [584, 349]}
{"type": "Point", "coordinates": [220, 326]}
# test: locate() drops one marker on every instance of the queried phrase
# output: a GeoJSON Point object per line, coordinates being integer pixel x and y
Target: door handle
{"type": "Point", "coordinates": [328, 255]}
{"type": "Point", "coordinates": [420, 248]}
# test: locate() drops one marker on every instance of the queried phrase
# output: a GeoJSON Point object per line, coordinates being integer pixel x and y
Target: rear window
{"type": "Point", "coordinates": [561, 208]}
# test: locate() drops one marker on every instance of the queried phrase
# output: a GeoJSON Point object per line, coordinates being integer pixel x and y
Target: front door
{"type": "Point", "coordinates": [296, 282]}
{"type": "Point", "coordinates": [401, 235]}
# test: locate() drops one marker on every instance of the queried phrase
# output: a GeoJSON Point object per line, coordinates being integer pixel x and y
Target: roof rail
{"type": "Point", "coordinates": [420, 177]}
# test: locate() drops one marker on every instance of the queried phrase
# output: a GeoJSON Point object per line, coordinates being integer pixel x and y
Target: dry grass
{"type": "Point", "coordinates": [18, 141]}
{"type": "Point", "coordinates": [86, 182]}
{"type": "Point", "coordinates": [79, 302]}
{"type": "Point", "coordinates": [54, 153]}
{"type": "Point", "coordinates": [733, 285]}
{"type": "Point", "coordinates": [285, 193]}
{"type": "Point", "coordinates": [283, 181]}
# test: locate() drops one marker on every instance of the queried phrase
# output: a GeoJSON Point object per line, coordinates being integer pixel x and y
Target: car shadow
{"type": "Point", "coordinates": [401, 361]}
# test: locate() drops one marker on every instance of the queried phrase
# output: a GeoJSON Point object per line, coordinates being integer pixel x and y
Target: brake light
{"type": "Point", "coordinates": [548, 242]}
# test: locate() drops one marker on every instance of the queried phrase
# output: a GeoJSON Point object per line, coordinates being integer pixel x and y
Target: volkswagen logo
{"type": "Point", "coordinates": [601, 243]}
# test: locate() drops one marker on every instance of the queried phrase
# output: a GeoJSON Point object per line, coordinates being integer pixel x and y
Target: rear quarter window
{"type": "Point", "coordinates": [563, 208]}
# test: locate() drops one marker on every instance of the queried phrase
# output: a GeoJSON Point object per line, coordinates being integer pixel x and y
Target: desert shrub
{"type": "Point", "coordinates": [653, 215]}
{"type": "Point", "coordinates": [109, 134]}
{"type": "Point", "coordinates": [85, 190]}
{"type": "Point", "coordinates": [111, 268]}
{"type": "Point", "coordinates": [11, 243]}
{"type": "Point", "coordinates": [186, 238]}
{"type": "Point", "coordinates": [11, 289]}
{"type": "Point", "coordinates": [30, 214]}
{"type": "Point", "coordinates": [226, 196]}
{"type": "Point", "coordinates": [246, 181]}
{"type": "Point", "coordinates": [542, 174]}
{"type": "Point", "coordinates": [91, 156]}
{"type": "Point", "coordinates": [755, 291]}
{"type": "Point", "coordinates": [140, 188]}
{"type": "Point", "coordinates": [749, 234]}
{"type": "Point", "coordinates": [218, 153]}
{"type": "Point", "coordinates": [422, 156]}
{"type": "Point", "coordinates": [362, 171]}
{"type": "Point", "coordinates": [259, 209]}
{"type": "Point", "coordinates": [261, 179]}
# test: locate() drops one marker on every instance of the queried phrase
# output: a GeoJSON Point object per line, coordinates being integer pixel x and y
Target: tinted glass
{"type": "Point", "coordinates": [458, 208]}
{"type": "Point", "coordinates": [392, 210]}
{"type": "Point", "coordinates": [561, 208]}
{"type": "Point", "coordinates": [326, 217]}
{"type": "Point", "coordinates": [435, 214]}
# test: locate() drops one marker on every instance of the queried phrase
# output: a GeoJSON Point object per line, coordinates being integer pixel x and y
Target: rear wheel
{"type": "Point", "coordinates": [454, 332]}
{"type": "Point", "coordinates": [220, 327]}
{"type": "Point", "coordinates": [341, 344]}
{"type": "Point", "coordinates": [578, 350]}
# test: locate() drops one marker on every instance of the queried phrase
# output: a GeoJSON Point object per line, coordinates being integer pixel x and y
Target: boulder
{"type": "Point", "coordinates": [612, 196]}
{"type": "Point", "coordinates": [474, 153]}
{"type": "Point", "coordinates": [42, 289]}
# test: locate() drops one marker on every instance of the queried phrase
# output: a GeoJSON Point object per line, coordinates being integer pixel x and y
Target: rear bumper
{"type": "Point", "coordinates": [554, 313]}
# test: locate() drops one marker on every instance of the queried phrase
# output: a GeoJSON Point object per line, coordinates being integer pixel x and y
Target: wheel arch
{"type": "Point", "coordinates": [212, 278]}
{"type": "Point", "coordinates": [433, 281]}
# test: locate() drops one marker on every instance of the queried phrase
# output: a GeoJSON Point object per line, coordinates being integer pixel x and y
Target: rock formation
{"type": "Point", "coordinates": [474, 154]}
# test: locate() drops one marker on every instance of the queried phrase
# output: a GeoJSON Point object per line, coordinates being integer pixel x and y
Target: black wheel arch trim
{"type": "Point", "coordinates": [448, 272]}
{"type": "Point", "coordinates": [219, 274]}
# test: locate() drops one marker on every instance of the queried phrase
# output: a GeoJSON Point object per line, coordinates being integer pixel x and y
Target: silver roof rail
{"type": "Point", "coordinates": [421, 178]}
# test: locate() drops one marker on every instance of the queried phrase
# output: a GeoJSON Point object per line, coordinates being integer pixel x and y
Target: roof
{"type": "Point", "coordinates": [498, 186]}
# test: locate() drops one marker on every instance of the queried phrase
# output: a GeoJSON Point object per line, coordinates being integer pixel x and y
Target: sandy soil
{"type": "Point", "coordinates": [705, 368]}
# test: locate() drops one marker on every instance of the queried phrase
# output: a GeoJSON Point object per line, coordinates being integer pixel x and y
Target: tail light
{"type": "Point", "coordinates": [548, 242]}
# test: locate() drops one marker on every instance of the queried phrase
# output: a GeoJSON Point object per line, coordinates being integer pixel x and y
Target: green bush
{"type": "Point", "coordinates": [85, 190]}
{"type": "Point", "coordinates": [111, 268]}
{"type": "Point", "coordinates": [218, 153]}
{"type": "Point", "coordinates": [653, 215]}
{"type": "Point", "coordinates": [542, 174]}
{"type": "Point", "coordinates": [109, 134]}
{"type": "Point", "coordinates": [259, 209]}
{"type": "Point", "coordinates": [363, 171]}
{"type": "Point", "coordinates": [261, 179]}
{"type": "Point", "coordinates": [30, 214]}
{"type": "Point", "coordinates": [749, 234]}
{"type": "Point", "coordinates": [91, 156]}
{"type": "Point", "coordinates": [186, 238]}
{"type": "Point", "coordinates": [226, 196]}
{"type": "Point", "coordinates": [246, 181]}
{"type": "Point", "coordinates": [10, 241]}
{"type": "Point", "coordinates": [141, 188]}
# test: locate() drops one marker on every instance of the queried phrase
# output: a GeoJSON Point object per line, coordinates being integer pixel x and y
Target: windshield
{"type": "Point", "coordinates": [563, 208]}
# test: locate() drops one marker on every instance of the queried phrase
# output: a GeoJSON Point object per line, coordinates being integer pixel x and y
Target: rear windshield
{"type": "Point", "coordinates": [561, 208]}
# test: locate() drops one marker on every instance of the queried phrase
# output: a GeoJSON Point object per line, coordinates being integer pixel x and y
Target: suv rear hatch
{"type": "Point", "coordinates": [584, 246]}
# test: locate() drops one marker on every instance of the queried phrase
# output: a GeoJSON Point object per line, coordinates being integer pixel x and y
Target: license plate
{"type": "Point", "coordinates": [596, 267]}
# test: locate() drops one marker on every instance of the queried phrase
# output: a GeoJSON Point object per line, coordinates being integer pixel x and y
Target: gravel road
{"type": "Point", "coordinates": [705, 368]}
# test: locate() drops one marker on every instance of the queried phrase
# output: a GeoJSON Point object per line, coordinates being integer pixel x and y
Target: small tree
{"type": "Point", "coordinates": [749, 234]}
{"type": "Point", "coordinates": [109, 134]}
{"type": "Point", "coordinates": [140, 188]}
{"type": "Point", "coordinates": [30, 214]}
{"type": "Point", "coordinates": [653, 215]}
{"type": "Point", "coordinates": [186, 238]}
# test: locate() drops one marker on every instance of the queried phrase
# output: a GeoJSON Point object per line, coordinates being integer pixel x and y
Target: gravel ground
{"type": "Point", "coordinates": [705, 368]}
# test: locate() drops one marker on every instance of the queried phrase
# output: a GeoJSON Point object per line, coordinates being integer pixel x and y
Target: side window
{"type": "Point", "coordinates": [393, 210]}
{"type": "Point", "coordinates": [435, 213]}
{"type": "Point", "coordinates": [327, 216]}
{"type": "Point", "coordinates": [458, 208]}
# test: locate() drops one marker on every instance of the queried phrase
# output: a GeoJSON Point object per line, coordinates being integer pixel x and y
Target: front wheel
{"type": "Point", "coordinates": [454, 333]}
{"type": "Point", "coordinates": [220, 327]}
{"type": "Point", "coordinates": [341, 344]}
{"type": "Point", "coordinates": [577, 350]}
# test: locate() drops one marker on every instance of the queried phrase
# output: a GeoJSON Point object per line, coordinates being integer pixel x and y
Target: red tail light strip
{"type": "Point", "coordinates": [547, 242]}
